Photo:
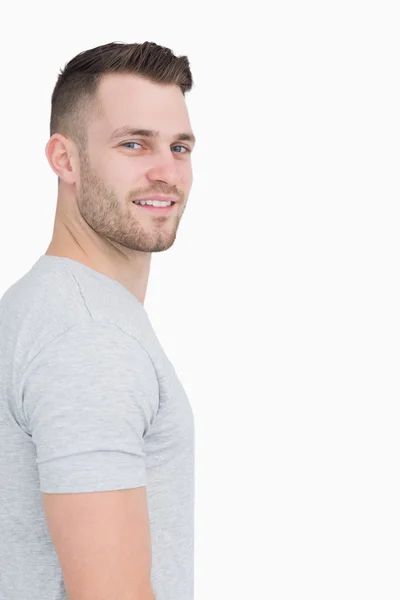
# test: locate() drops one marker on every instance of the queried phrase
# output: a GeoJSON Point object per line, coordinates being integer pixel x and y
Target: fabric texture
{"type": "Point", "coordinates": [88, 402]}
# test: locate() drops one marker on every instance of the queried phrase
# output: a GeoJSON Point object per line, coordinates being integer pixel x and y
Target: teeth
{"type": "Point", "coordinates": [153, 203]}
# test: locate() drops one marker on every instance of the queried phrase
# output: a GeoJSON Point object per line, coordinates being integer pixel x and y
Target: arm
{"type": "Point", "coordinates": [88, 398]}
{"type": "Point", "coordinates": [102, 540]}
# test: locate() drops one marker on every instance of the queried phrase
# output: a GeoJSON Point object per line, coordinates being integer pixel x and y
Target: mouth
{"type": "Point", "coordinates": [159, 208]}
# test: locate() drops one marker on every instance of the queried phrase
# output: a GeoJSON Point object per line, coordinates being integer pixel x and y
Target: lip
{"type": "Point", "coordinates": [157, 210]}
{"type": "Point", "coordinates": [160, 198]}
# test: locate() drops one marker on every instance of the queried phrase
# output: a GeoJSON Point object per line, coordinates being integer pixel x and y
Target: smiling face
{"type": "Point", "coordinates": [152, 157]}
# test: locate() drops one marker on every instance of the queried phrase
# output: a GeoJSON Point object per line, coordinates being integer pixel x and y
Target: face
{"type": "Point", "coordinates": [120, 167]}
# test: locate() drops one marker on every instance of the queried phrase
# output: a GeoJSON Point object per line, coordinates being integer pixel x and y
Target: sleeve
{"type": "Point", "coordinates": [88, 399]}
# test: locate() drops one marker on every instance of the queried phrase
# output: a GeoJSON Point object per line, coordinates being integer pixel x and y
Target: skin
{"type": "Point", "coordinates": [96, 222]}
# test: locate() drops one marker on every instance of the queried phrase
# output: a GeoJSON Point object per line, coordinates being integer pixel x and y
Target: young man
{"type": "Point", "coordinates": [96, 431]}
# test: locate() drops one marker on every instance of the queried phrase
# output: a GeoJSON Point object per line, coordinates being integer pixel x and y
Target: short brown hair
{"type": "Point", "coordinates": [72, 100]}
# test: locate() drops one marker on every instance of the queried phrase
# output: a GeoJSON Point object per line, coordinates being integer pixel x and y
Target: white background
{"type": "Point", "coordinates": [279, 302]}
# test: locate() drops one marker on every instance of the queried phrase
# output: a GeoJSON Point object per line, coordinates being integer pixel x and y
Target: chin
{"type": "Point", "coordinates": [161, 247]}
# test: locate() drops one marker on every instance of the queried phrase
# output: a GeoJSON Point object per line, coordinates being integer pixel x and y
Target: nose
{"type": "Point", "coordinates": [164, 168]}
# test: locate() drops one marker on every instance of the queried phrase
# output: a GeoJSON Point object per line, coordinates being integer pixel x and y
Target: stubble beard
{"type": "Point", "coordinates": [115, 220]}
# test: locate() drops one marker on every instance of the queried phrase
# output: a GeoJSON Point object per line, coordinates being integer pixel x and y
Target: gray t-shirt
{"type": "Point", "coordinates": [89, 402]}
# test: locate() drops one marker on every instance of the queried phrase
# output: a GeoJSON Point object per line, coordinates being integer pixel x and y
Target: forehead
{"type": "Point", "coordinates": [127, 99]}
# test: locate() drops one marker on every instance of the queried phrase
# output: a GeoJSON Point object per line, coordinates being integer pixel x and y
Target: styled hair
{"type": "Point", "coordinates": [73, 101]}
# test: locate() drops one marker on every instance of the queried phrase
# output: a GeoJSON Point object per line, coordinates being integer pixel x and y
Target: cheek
{"type": "Point", "coordinates": [121, 174]}
{"type": "Point", "coordinates": [128, 173]}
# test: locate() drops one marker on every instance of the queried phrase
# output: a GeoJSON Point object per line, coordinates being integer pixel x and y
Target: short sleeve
{"type": "Point", "coordinates": [89, 397]}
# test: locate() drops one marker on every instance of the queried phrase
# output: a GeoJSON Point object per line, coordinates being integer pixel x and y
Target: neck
{"type": "Point", "coordinates": [130, 268]}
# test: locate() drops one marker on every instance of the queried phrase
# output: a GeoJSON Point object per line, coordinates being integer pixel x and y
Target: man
{"type": "Point", "coordinates": [96, 431]}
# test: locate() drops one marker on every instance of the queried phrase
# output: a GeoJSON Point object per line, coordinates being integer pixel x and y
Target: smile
{"type": "Point", "coordinates": [155, 206]}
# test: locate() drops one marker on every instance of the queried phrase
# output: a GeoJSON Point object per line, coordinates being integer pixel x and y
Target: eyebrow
{"type": "Point", "coordinates": [151, 133]}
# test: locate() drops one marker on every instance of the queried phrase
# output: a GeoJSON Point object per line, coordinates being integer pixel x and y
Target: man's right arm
{"type": "Point", "coordinates": [103, 543]}
{"type": "Point", "coordinates": [88, 399]}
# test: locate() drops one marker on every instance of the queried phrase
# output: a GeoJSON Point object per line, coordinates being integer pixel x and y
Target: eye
{"type": "Point", "coordinates": [184, 147]}
{"type": "Point", "coordinates": [128, 143]}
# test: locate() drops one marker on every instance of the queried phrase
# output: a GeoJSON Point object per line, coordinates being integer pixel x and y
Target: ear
{"type": "Point", "coordinates": [62, 155]}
